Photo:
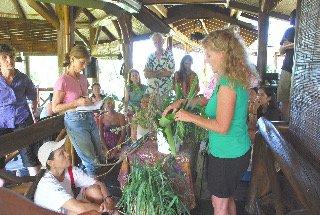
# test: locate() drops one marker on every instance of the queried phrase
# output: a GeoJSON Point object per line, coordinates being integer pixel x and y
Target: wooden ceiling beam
{"type": "Point", "coordinates": [52, 18]}
{"type": "Point", "coordinates": [49, 7]}
{"type": "Point", "coordinates": [255, 10]}
{"type": "Point", "coordinates": [268, 5]}
{"type": "Point", "coordinates": [176, 13]}
{"type": "Point", "coordinates": [92, 18]}
{"type": "Point", "coordinates": [178, 36]}
{"type": "Point", "coordinates": [117, 27]}
{"type": "Point", "coordinates": [204, 26]}
{"type": "Point", "coordinates": [82, 37]}
{"type": "Point", "coordinates": [108, 33]}
{"type": "Point", "coordinates": [151, 2]}
{"type": "Point", "coordinates": [152, 21]}
{"type": "Point", "coordinates": [19, 9]}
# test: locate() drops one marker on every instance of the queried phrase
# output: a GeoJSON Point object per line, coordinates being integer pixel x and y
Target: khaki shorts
{"type": "Point", "coordinates": [284, 86]}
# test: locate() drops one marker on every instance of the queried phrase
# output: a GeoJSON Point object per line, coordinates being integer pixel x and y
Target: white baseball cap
{"type": "Point", "coordinates": [46, 149]}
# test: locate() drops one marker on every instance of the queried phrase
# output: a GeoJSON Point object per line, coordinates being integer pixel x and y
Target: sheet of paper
{"type": "Point", "coordinates": [93, 107]}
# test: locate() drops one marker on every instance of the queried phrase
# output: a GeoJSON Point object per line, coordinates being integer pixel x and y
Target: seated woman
{"type": "Point", "coordinates": [107, 122]}
{"type": "Point", "coordinates": [96, 93]}
{"type": "Point", "coordinates": [185, 77]}
{"type": "Point", "coordinates": [135, 91]}
{"type": "Point", "coordinates": [268, 107]}
{"type": "Point", "coordinates": [139, 126]}
{"type": "Point", "coordinates": [66, 189]}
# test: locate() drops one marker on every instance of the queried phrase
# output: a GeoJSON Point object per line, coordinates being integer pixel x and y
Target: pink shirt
{"type": "Point", "coordinates": [72, 87]}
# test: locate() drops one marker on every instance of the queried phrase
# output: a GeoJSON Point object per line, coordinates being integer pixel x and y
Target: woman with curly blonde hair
{"type": "Point", "coordinates": [226, 121]}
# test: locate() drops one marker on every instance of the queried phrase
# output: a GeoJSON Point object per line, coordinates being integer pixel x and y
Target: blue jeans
{"type": "Point", "coordinates": [84, 135]}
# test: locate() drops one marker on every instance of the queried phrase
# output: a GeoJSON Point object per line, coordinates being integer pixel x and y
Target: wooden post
{"type": "Point", "coordinates": [27, 64]}
{"type": "Point", "coordinates": [125, 24]}
{"type": "Point", "coordinates": [170, 43]}
{"type": "Point", "coordinates": [263, 27]}
{"type": "Point", "coordinates": [65, 37]}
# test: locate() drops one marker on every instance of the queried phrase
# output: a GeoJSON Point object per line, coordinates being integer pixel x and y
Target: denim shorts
{"type": "Point", "coordinates": [84, 135]}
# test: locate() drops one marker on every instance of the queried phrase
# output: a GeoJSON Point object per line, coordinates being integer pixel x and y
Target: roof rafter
{"type": "Point", "coordinates": [178, 36]}
{"type": "Point", "coordinates": [52, 18]}
{"type": "Point", "coordinates": [255, 10]}
{"type": "Point", "coordinates": [92, 18]}
{"type": "Point", "coordinates": [177, 13]}
{"type": "Point", "coordinates": [19, 9]}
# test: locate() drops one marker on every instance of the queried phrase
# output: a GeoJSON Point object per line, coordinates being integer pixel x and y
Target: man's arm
{"type": "Point", "coordinates": [285, 46]}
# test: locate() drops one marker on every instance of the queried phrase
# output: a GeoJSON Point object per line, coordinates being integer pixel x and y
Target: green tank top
{"type": "Point", "coordinates": [236, 141]}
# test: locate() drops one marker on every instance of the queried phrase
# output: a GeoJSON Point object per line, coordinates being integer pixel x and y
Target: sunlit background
{"type": "Point", "coordinates": [44, 69]}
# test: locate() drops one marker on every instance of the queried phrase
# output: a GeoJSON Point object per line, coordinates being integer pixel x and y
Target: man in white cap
{"type": "Point", "coordinates": [66, 189]}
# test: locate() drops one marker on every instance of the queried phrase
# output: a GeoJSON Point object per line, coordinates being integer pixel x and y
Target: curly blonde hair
{"type": "Point", "coordinates": [236, 65]}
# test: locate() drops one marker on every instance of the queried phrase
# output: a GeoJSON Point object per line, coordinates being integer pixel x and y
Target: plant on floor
{"type": "Point", "coordinates": [148, 191]}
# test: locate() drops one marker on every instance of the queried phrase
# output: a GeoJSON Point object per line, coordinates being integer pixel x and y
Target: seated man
{"type": "Point", "coordinates": [66, 189]}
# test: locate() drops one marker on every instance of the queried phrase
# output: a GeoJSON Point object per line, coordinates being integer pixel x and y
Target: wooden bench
{"type": "Point", "coordinates": [299, 162]}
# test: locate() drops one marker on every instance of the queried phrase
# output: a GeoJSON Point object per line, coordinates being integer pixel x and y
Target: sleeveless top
{"type": "Point", "coordinates": [236, 141]}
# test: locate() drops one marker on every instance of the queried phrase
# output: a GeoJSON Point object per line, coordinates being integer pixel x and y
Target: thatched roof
{"type": "Point", "coordinates": [28, 31]}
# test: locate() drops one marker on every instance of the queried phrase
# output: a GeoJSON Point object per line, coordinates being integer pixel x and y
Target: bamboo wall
{"type": "Point", "coordinates": [305, 98]}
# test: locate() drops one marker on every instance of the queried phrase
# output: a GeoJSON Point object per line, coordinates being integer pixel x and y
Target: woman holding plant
{"type": "Point", "coordinates": [226, 110]}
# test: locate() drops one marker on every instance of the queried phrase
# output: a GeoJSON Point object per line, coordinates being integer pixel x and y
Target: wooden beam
{"type": "Point", "coordinates": [176, 13]}
{"type": "Point", "coordinates": [255, 10]}
{"type": "Point", "coordinates": [49, 7]}
{"type": "Point", "coordinates": [268, 5]}
{"type": "Point", "coordinates": [204, 26]}
{"type": "Point", "coordinates": [19, 9]}
{"type": "Point", "coordinates": [82, 37]}
{"type": "Point", "coordinates": [104, 21]}
{"type": "Point", "coordinates": [151, 2]}
{"type": "Point", "coordinates": [263, 28]}
{"type": "Point", "coordinates": [96, 37]}
{"type": "Point", "coordinates": [92, 18]}
{"type": "Point", "coordinates": [177, 36]}
{"type": "Point", "coordinates": [152, 21]}
{"type": "Point", "coordinates": [108, 33]}
{"type": "Point", "coordinates": [31, 134]}
{"type": "Point", "coordinates": [76, 12]}
{"type": "Point", "coordinates": [44, 12]}
{"type": "Point", "coordinates": [116, 25]}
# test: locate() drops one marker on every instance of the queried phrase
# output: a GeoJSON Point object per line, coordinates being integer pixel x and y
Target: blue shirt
{"type": "Point", "coordinates": [14, 108]}
{"type": "Point", "coordinates": [288, 59]}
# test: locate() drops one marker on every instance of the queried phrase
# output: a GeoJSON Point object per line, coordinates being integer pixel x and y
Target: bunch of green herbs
{"type": "Point", "coordinates": [148, 192]}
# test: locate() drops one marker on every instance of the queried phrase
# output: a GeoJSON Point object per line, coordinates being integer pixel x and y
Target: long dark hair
{"type": "Point", "coordinates": [136, 71]}
{"type": "Point", "coordinates": [183, 60]}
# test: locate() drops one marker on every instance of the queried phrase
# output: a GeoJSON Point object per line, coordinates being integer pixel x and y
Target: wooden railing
{"type": "Point", "coordinates": [25, 137]}
{"type": "Point", "coordinates": [302, 175]}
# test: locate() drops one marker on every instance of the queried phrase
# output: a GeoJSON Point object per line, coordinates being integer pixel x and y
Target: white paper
{"type": "Point", "coordinates": [93, 107]}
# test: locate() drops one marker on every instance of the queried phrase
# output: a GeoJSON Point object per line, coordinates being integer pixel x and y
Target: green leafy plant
{"type": "Point", "coordinates": [173, 131]}
{"type": "Point", "coordinates": [148, 192]}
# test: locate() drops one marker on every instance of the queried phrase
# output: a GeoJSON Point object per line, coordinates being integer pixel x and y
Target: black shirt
{"type": "Point", "coordinates": [288, 59]}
